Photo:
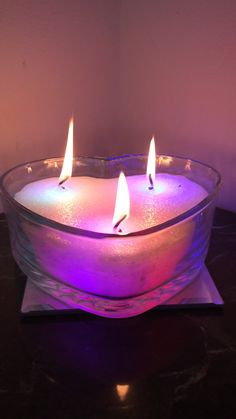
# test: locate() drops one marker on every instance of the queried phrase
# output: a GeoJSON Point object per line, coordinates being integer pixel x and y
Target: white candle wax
{"type": "Point", "coordinates": [114, 267]}
{"type": "Point", "coordinates": [88, 203]}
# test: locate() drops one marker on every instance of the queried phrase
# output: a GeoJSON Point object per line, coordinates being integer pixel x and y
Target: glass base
{"type": "Point", "coordinates": [111, 307]}
{"type": "Point", "coordinates": [200, 293]}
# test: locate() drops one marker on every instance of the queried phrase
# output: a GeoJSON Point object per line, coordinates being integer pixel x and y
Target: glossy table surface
{"type": "Point", "coordinates": [178, 364]}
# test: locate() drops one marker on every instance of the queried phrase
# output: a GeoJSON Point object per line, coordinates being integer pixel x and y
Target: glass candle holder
{"type": "Point", "coordinates": [109, 274]}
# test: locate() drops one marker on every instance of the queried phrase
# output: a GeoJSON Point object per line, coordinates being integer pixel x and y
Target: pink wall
{"type": "Point", "coordinates": [57, 58]}
{"type": "Point", "coordinates": [178, 80]}
{"type": "Point", "coordinates": [126, 69]}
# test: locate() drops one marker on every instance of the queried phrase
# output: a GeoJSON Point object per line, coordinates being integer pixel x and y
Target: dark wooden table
{"type": "Point", "coordinates": [163, 365]}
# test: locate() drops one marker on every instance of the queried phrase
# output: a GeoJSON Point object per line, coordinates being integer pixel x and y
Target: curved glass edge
{"type": "Point", "coordinates": [39, 219]}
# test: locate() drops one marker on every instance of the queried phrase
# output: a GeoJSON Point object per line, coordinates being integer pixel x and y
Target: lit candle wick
{"type": "Point", "coordinates": [151, 182]}
{"type": "Point", "coordinates": [66, 171]}
{"type": "Point", "coordinates": [122, 204]}
{"type": "Point", "coordinates": [118, 223]}
{"type": "Point", "coordinates": [151, 164]}
{"type": "Point", "coordinates": [62, 181]}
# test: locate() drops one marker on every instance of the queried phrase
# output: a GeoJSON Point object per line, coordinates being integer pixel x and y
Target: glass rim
{"type": "Point", "coordinates": [40, 219]}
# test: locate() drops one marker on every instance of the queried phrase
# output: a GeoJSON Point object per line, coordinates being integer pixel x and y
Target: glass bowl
{"type": "Point", "coordinates": [109, 274]}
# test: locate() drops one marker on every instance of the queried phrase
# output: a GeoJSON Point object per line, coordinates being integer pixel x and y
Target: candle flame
{"type": "Point", "coordinates": [68, 159]}
{"type": "Point", "coordinates": [122, 205]}
{"type": "Point", "coordinates": [122, 391]}
{"type": "Point", "coordinates": [151, 164]}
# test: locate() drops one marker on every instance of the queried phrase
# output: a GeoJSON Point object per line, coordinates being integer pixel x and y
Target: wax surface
{"type": "Point", "coordinates": [88, 202]}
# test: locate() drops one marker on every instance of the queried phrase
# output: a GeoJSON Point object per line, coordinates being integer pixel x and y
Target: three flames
{"type": "Point", "coordinates": [122, 205]}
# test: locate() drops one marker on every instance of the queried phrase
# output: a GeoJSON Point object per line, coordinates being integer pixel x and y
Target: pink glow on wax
{"type": "Point", "coordinates": [88, 203]}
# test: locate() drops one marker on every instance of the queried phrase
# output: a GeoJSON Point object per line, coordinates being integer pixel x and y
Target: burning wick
{"type": "Point", "coordinates": [151, 164]}
{"type": "Point", "coordinates": [62, 181]}
{"type": "Point", "coordinates": [122, 204]}
{"type": "Point", "coordinates": [118, 223]}
{"type": "Point", "coordinates": [151, 182]}
{"type": "Point", "coordinates": [66, 171]}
